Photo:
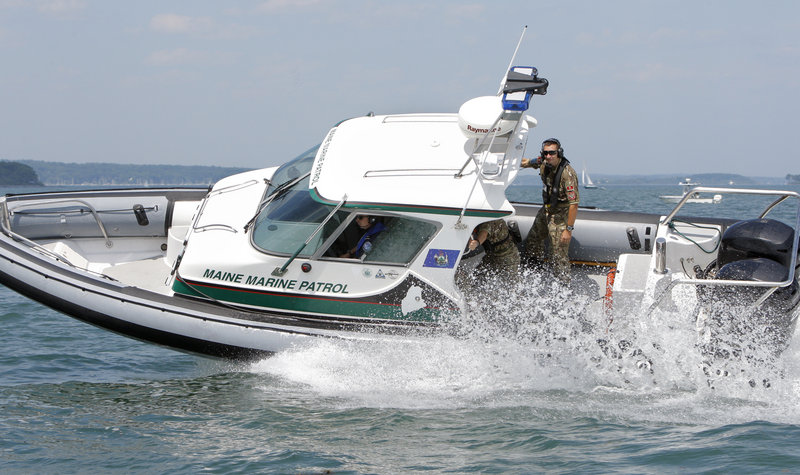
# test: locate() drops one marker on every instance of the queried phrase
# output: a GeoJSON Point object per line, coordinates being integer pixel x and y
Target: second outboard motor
{"type": "Point", "coordinates": [756, 250]}
{"type": "Point", "coordinates": [758, 269]}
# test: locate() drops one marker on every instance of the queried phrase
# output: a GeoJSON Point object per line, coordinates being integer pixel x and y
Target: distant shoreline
{"type": "Point", "coordinates": [111, 174]}
{"type": "Point", "coordinates": [704, 179]}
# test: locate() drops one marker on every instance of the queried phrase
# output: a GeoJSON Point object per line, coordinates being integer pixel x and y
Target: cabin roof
{"type": "Point", "coordinates": [405, 162]}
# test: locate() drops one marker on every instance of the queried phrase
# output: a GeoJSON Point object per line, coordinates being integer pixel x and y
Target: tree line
{"type": "Point", "coordinates": [60, 173]}
{"type": "Point", "coordinates": [15, 173]}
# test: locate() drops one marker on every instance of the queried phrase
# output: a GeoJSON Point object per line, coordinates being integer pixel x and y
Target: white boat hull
{"type": "Point", "coordinates": [677, 199]}
{"type": "Point", "coordinates": [690, 195]}
{"type": "Point", "coordinates": [179, 323]}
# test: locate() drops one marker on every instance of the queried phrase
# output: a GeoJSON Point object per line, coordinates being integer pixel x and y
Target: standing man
{"type": "Point", "coordinates": [556, 219]}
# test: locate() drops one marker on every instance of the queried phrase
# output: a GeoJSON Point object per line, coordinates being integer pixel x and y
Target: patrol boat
{"type": "Point", "coordinates": [694, 197]}
{"type": "Point", "coordinates": [259, 262]}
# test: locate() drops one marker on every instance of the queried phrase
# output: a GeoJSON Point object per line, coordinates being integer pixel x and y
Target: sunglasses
{"type": "Point", "coordinates": [549, 152]}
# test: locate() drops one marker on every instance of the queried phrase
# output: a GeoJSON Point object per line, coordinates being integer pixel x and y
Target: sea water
{"type": "Point", "coordinates": [76, 399]}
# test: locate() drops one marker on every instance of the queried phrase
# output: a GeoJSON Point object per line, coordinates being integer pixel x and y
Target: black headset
{"type": "Point", "coordinates": [554, 140]}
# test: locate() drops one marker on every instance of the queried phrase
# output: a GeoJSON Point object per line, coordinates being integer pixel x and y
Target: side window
{"type": "Point", "coordinates": [398, 241]}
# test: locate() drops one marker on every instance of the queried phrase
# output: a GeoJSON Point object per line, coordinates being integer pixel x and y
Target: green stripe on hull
{"type": "Point", "coordinates": [329, 306]}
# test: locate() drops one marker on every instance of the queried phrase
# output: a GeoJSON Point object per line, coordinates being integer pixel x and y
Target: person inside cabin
{"type": "Point", "coordinates": [358, 236]}
{"type": "Point", "coordinates": [501, 257]}
{"type": "Point", "coordinates": [556, 219]}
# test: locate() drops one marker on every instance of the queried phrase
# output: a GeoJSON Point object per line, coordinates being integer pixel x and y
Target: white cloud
{"type": "Point", "coordinates": [162, 77]}
{"type": "Point", "coordinates": [275, 5]}
{"type": "Point", "coordinates": [57, 7]}
{"type": "Point", "coordinates": [11, 4]}
{"type": "Point", "coordinates": [608, 37]}
{"type": "Point", "coordinates": [185, 56]}
{"type": "Point", "coordinates": [661, 72]}
{"type": "Point", "coordinates": [467, 10]}
{"type": "Point", "coordinates": [635, 37]}
{"type": "Point", "coordinates": [171, 23]}
{"type": "Point", "coordinates": [788, 50]}
{"type": "Point", "coordinates": [174, 57]}
{"type": "Point", "coordinates": [205, 26]}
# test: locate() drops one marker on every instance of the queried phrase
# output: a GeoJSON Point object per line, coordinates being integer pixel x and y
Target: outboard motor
{"type": "Point", "coordinates": [755, 238]}
{"type": "Point", "coordinates": [757, 250]}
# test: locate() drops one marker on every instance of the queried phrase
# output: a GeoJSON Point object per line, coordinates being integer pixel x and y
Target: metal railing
{"type": "Point", "coordinates": [91, 209]}
{"type": "Point", "coordinates": [771, 287]}
{"type": "Point", "coordinates": [5, 225]}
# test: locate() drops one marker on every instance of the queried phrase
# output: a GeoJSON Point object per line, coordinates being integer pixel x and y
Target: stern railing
{"type": "Point", "coordinates": [770, 287]}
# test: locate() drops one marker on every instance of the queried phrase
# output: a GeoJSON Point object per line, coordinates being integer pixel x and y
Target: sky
{"type": "Point", "coordinates": [636, 87]}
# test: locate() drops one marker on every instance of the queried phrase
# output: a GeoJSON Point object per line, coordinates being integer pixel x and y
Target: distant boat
{"type": "Point", "coordinates": [687, 184]}
{"type": "Point", "coordinates": [586, 180]}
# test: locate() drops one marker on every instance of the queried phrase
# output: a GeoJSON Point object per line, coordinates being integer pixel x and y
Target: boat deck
{"type": "Point", "coordinates": [148, 274]}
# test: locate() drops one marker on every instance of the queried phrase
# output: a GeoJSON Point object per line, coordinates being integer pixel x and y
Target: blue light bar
{"type": "Point", "coordinates": [519, 101]}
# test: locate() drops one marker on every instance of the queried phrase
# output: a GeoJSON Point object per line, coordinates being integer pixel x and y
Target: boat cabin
{"type": "Point", "coordinates": [422, 182]}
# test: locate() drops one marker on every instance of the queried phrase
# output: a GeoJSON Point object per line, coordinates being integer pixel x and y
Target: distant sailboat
{"type": "Point", "coordinates": [586, 179]}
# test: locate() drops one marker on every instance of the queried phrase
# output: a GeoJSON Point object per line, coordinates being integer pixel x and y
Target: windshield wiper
{"type": "Point", "coordinates": [279, 271]}
{"type": "Point", "coordinates": [279, 191]}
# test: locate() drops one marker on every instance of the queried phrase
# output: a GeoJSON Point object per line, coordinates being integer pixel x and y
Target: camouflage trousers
{"type": "Point", "coordinates": [501, 264]}
{"type": "Point", "coordinates": [495, 273]}
{"type": "Point", "coordinates": [547, 228]}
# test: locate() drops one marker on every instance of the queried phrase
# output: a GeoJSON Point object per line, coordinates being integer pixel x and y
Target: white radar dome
{"type": "Point", "coordinates": [477, 116]}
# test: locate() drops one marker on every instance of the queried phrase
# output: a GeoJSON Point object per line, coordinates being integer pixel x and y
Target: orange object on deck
{"type": "Point", "coordinates": [608, 299]}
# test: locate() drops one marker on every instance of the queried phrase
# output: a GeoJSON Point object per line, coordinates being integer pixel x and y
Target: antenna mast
{"type": "Point", "coordinates": [513, 57]}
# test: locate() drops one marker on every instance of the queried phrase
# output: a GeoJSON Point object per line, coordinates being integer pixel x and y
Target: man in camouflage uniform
{"type": "Point", "coordinates": [502, 257]}
{"type": "Point", "coordinates": [556, 218]}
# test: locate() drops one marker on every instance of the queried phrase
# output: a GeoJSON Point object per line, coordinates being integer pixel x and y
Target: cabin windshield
{"type": "Point", "coordinates": [292, 169]}
{"type": "Point", "coordinates": [292, 216]}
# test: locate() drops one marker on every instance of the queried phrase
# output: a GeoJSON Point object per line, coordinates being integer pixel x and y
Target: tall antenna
{"type": "Point", "coordinates": [505, 73]}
